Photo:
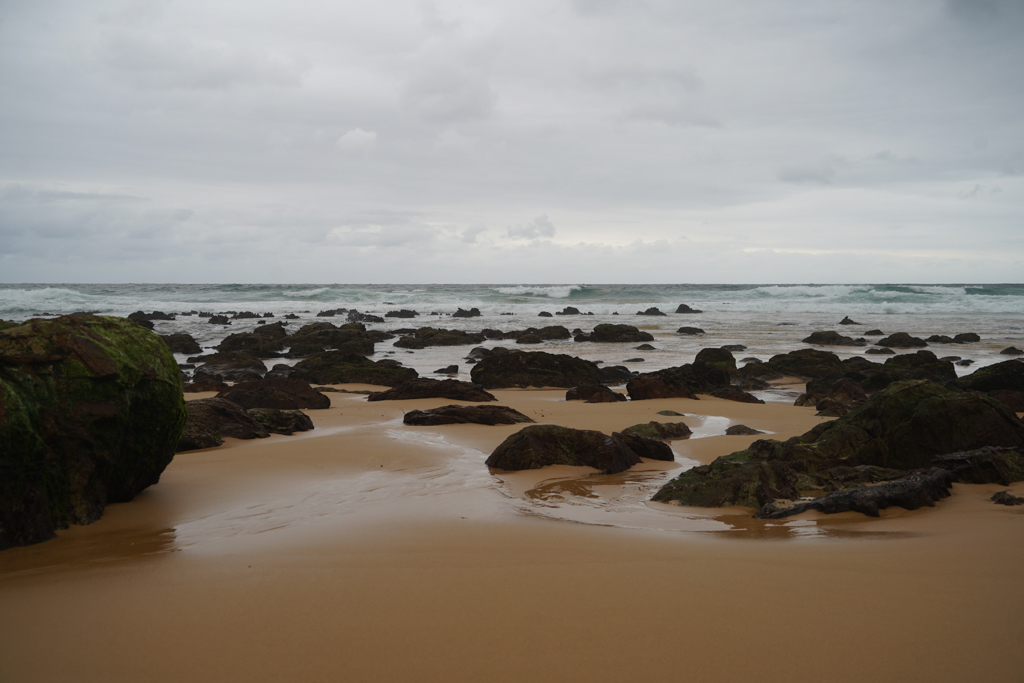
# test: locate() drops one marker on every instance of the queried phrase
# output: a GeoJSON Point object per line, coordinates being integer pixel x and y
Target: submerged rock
{"type": "Point", "coordinates": [456, 414]}
{"type": "Point", "coordinates": [90, 412]}
{"type": "Point", "coordinates": [425, 387]}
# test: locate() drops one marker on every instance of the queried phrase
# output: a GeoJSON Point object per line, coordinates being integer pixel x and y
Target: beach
{"type": "Point", "coordinates": [370, 550]}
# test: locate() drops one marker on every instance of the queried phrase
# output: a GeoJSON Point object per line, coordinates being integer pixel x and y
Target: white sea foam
{"type": "Point", "coordinates": [554, 292]}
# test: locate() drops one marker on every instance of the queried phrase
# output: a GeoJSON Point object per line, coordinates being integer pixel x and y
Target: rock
{"type": "Point", "coordinates": [471, 313]}
{"type": "Point", "coordinates": [534, 368]}
{"type": "Point", "coordinates": [807, 363]}
{"type": "Point", "coordinates": [915, 490]}
{"type": "Point", "coordinates": [541, 445]}
{"type": "Point", "coordinates": [544, 314]}
{"type": "Point", "coordinates": [280, 370]}
{"type": "Point", "coordinates": [212, 419]}
{"type": "Point", "coordinates": [651, 449]}
{"type": "Point", "coordinates": [392, 363]}
{"type": "Point", "coordinates": [336, 367]}
{"type": "Point", "coordinates": [734, 394]}
{"type": "Point", "coordinates": [683, 308]}
{"type": "Point", "coordinates": [204, 384]}
{"type": "Point", "coordinates": [665, 431]}
{"type": "Point", "coordinates": [181, 343]}
{"type": "Point", "coordinates": [634, 360]}
{"type": "Point", "coordinates": [844, 390]}
{"type": "Point", "coordinates": [569, 310]}
{"type": "Point", "coordinates": [431, 336]}
{"type": "Point", "coordinates": [830, 338]}
{"type": "Point", "coordinates": [232, 366]}
{"type": "Point", "coordinates": [846, 321]}
{"type": "Point", "coordinates": [921, 365]}
{"type": "Point", "coordinates": [741, 430]}
{"type": "Point", "coordinates": [1012, 351]}
{"type": "Point", "coordinates": [658, 384]}
{"type": "Point", "coordinates": [939, 339]}
{"type": "Point", "coordinates": [670, 413]}
{"type": "Point", "coordinates": [1006, 498]}
{"type": "Point", "coordinates": [219, 320]}
{"type": "Point", "coordinates": [653, 310]}
{"type": "Point", "coordinates": [259, 346]}
{"type": "Point", "coordinates": [733, 347]}
{"type": "Point", "coordinates": [614, 375]}
{"type": "Point", "coordinates": [644, 347]}
{"type": "Point", "coordinates": [965, 362]}
{"type": "Point", "coordinates": [689, 330]}
{"type": "Point", "coordinates": [140, 319]}
{"type": "Point", "coordinates": [529, 339]}
{"type": "Point", "coordinates": [291, 316]}
{"type": "Point", "coordinates": [881, 351]}
{"type": "Point", "coordinates": [280, 393]}
{"type": "Point", "coordinates": [450, 370]}
{"type": "Point", "coordinates": [285, 422]}
{"type": "Point", "coordinates": [951, 359]}
{"type": "Point", "coordinates": [752, 384]}
{"type": "Point", "coordinates": [593, 393]}
{"type": "Point", "coordinates": [987, 465]}
{"type": "Point", "coordinates": [424, 387]}
{"type": "Point", "coordinates": [352, 338]}
{"type": "Point", "coordinates": [404, 313]}
{"type": "Point", "coordinates": [456, 414]}
{"type": "Point", "coordinates": [1014, 400]}
{"type": "Point", "coordinates": [618, 333]}
{"type": "Point", "coordinates": [966, 338]}
{"type": "Point", "coordinates": [901, 340]}
{"type": "Point", "coordinates": [330, 313]}
{"type": "Point", "coordinates": [90, 411]}
{"type": "Point", "coordinates": [731, 480]}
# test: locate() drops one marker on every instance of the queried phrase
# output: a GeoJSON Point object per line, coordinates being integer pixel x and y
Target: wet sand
{"type": "Point", "coordinates": [366, 550]}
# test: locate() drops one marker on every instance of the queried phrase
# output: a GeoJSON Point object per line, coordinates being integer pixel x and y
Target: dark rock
{"type": "Point", "coordinates": [846, 321]}
{"type": "Point", "coordinates": [951, 359]}
{"type": "Point", "coordinates": [141, 319]}
{"type": "Point", "coordinates": [965, 362]}
{"type": "Point", "coordinates": [988, 465]}
{"type": "Point", "coordinates": [653, 310]}
{"type": "Point", "coordinates": [424, 387]}
{"type": "Point", "coordinates": [219, 320]}
{"type": "Point", "coordinates": [205, 384]}
{"type": "Point", "coordinates": [456, 414]}
{"type": "Point", "coordinates": [355, 316]}
{"type": "Point", "coordinates": [645, 347]}
{"type": "Point", "coordinates": [733, 347]}
{"type": "Point", "coordinates": [569, 310]}
{"type": "Point", "coordinates": [651, 449]}
{"type": "Point", "coordinates": [471, 313]}
{"type": "Point", "coordinates": [734, 394]}
{"type": "Point", "coordinates": [90, 411]}
{"type": "Point", "coordinates": [431, 336]}
{"type": "Point", "coordinates": [280, 370]}
{"type": "Point", "coordinates": [807, 363]}
{"type": "Point", "coordinates": [901, 340]}
{"type": "Point", "coordinates": [665, 431]}
{"type": "Point", "coordinates": [752, 384]}
{"type": "Point", "coordinates": [939, 339]}
{"type": "Point", "coordinates": [1006, 498]}
{"type": "Point", "coordinates": [660, 384]}
{"type": "Point", "coordinates": [731, 480]}
{"type": "Point", "coordinates": [921, 365]}
{"type": "Point", "coordinates": [245, 315]}
{"type": "Point", "coordinates": [404, 313]}
{"type": "Point", "coordinates": [352, 338]}
{"type": "Point", "coordinates": [741, 430]}
{"type": "Point", "coordinates": [618, 333]}
{"type": "Point", "coordinates": [232, 366]}
{"type": "Point", "coordinates": [683, 308]}
{"type": "Point", "coordinates": [689, 330]}
{"type": "Point", "coordinates": [285, 422]}
{"type": "Point", "coordinates": [544, 314]}
{"type": "Point", "coordinates": [1012, 399]}
{"type": "Point", "coordinates": [614, 375]}
{"type": "Point", "coordinates": [966, 338]}
{"type": "Point", "coordinates": [259, 346]}
{"type": "Point", "coordinates": [280, 393]}
{"type": "Point", "coordinates": [670, 413]}
{"type": "Point", "coordinates": [533, 368]}
{"type": "Point", "coordinates": [1012, 351]}
{"type": "Point", "coordinates": [843, 390]}
{"type": "Point", "coordinates": [291, 316]}
{"type": "Point", "coordinates": [634, 360]}
{"type": "Point", "coordinates": [529, 339]}
{"type": "Point", "coordinates": [874, 333]}
{"type": "Point", "coordinates": [916, 489]}
{"type": "Point", "coordinates": [593, 393]}
{"type": "Point", "coordinates": [881, 351]}
{"type": "Point", "coordinates": [181, 343]}
{"type": "Point", "coordinates": [336, 367]}
{"type": "Point", "coordinates": [212, 419]}
{"type": "Point", "coordinates": [450, 370]}
{"type": "Point", "coordinates": [541, 445]}
{"type": "Point", "coordinates": [392, 363]}
{"type": "Point", "coordinates": [831, 338]}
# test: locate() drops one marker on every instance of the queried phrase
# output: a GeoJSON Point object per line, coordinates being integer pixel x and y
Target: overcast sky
{"type": "Point", "coordinates": [528, 141]}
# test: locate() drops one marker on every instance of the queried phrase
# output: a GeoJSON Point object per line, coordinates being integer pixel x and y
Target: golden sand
{"type": "Point", "coordinates": [367, 550]}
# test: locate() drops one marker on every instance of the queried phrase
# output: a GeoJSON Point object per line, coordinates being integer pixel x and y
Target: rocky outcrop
{"type": "Point", "coordinates": [809, 363]}
{"type": "Point", "coordinates": [966, 338]}
{"type": "Point", "coordinates": [336, 367]}
{"type": "Point", "coordinates": [659, 384]}
{"type": "Point", "coordinates": [593, 393]}
{"type": "Point", "coordinates": [471, 313]}
{"type": "Point", "coordinates": [1006, 498]}
{"type": "Point", "coordinates": [1007, 375]}
{"type": "Point", "coordinates": [741, 430]}
{"type": "Point", "coordinates": [683, 308]}
{"type": "Point", "coordinates": [541, 445]}
{"type": "Point", "coordinates": [653, 310]}
{"type": "Point", "coordinates": [351, 338]}
{"type": "Point", "coordinates": [901, 340]}
{"type": "Point", "coordinates": [846, 321]}
{"type": "Point", "coordinates": [210, 420]}
{"type": "Point", "coordinates": [666, 431]}
{"type": "Point", "coordinates": [204, 383]}
{"type": "Point", "coordinates": [569, 310]}
{"type": "Point", "coordinates": [650, 449]}
{"type": "Point", "coordinates": [285, 422]}
{"type": "Point", "coordinates": [280, 393]}
{"type": "Point", "coordinates": [90, 412]}
{"type": "Point", "coordinates": [430, 336]}
{"type": "Point", "coordinates": [232, 366]}
{"type": "Point", "coordinates": [607, 333]}
{"type": "Point", "coordinates": [403, 313]}
{"type": "Point", "coordinates": [732, 393]}
{"type": "Point", "coordinates": [181, 343]}
{"type": "Point", "coordinates": [456, 414]}
{"type": "Point", "coordinates": [689, 330]}
{"type": "Point", "coordinates": [831, 338]}
{"type": "Point", "coordinates": [534, 369]}
{"type": "Point", "coordinates": [424, 387]}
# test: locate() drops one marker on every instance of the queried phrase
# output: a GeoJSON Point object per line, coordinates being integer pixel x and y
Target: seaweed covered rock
{"type": "Point", "coordinates": [90, 412]}
{"type": "Point", "coordinates": [425, 387]}
{"type": "Point", "coordinates": [285, 422]}
{"type": "Point", "coordinates": [593, 393]}
{"type": "Point", "coordinates": [233, 366]}
{"type": "Point", "coordinates": [1008, 375]}
{"type": "Point", "coordinates": [731, 480]}
{"type": "Point", "coordinates": [660, 430]}
{"type": "Point", "coordinates": [534, 369]}
{"type": "Point", "coordinates": [212, 419]}
{"type": "Point", "coordinates": [432, 336]}
{"type": "Point", "coordinates": [181, 343]}
{"type": "Point", "coordinates": [988, 465]}
{"type": "Point", "coordinates": [337, 367]}
{"type": "Point", "coordinates": [456, 414]}
{"type": "Point", "coordinates": [537, 446]}
{"type": "Point", "coordinates": [280, 393]}
{"type": "Point", "coordinates": [721, 358]}
{"type": "Point", "coordinates": [807, 363]}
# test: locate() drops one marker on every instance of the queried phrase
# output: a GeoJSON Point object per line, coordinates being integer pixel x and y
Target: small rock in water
{"type": "Point", "coordinates": [633, 360]}
{"type": "Point", "coordinates": [741, 430]}
{"type": "Point", "coordinates": [881, 351]}
{"type": "Point", "coordinates": [683, 308]}
{"type": "Point", "coordinates": [1012, 351]}
{"type": "Point", "coordinates": [965, 362]}
{"type": "Point", "coordinates": [671, 413]}
{"type": "Point", "coordinates": [645, 347]}
{"type": "Point", "coordinates": [689, 330]}
{"type": "Point", "coordinates": [846, 321]}
{"type": "Point", "coordinates": [734, 347]}
{"type": "Point", "coordinates": [450, 370]}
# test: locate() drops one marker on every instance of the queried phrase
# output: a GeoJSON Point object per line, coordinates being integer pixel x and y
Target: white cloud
{"type": "Point", "coordinates": [358, 139]}
{"type": "Point", "coordinates": [540, 226]}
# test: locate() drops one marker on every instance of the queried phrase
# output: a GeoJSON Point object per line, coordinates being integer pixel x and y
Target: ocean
{"type": "Point", "coordinates": [766, 319]}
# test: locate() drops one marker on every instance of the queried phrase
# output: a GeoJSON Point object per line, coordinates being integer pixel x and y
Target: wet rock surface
{"type": "Point", "coordinates": [901, 340]}
{"type": "Point", "coordinates": [425, 387]}
{"type": "Point", "coordinates": [181, 343]}
{"type": "Point", "coordinates": [541, 445]}
{"type": "Point", "coordinates": [534, 368]}
{"type": "Point", "coordinates": [90, 412]}
{"type": "Point", "coordinates": [830, 338]}
{"type": "Point", "coordinates": [665, 431]}
{"type": "Point", "coordinates": [280, 393]}
{"type": "Point", "coordinates": [456, 414]}
{"type": "Point", "coordinates": [593, 393]}
{"type": "Point", "coordinates": [337, 367]}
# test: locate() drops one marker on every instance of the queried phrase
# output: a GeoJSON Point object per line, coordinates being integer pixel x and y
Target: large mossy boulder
{"type": "Point", "coordinates": [537, 446]}
{"type": "Point", "coordinates": [904, 427]}
{"type": "Point", "coordinates": [337, 367]}
{"type": "Point", "coordinates": [534, 369]}
{"type": "Point", "coordinates": [91, 409]}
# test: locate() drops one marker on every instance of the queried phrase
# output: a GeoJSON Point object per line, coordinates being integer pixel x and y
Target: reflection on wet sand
{"type": "Point", "coordinates": [79, 548]}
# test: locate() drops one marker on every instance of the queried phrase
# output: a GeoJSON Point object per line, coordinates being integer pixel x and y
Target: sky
{"type": "Point", "coordinates": [654, 141]}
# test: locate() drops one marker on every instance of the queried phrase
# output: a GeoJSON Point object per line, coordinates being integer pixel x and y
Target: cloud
{"type": "Point", "coordinates": [358, 139]}
{"type": "Point", "coordinates": [822, 174]}
{"type": "Point", "coordinates": [540, 226]}
{"type": "Point", "coordinates": [469, 235]}
{"type": "Point", "coordinates": [449, 95]}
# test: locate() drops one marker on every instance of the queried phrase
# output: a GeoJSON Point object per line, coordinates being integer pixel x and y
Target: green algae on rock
{"type": "Point", "coordinates": [91, 409]}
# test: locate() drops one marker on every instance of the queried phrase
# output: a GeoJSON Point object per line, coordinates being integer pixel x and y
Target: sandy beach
{"type": "Point", "coordinates": [368, 550]}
